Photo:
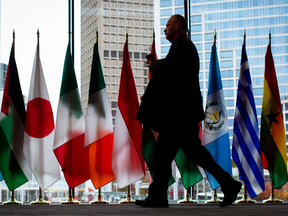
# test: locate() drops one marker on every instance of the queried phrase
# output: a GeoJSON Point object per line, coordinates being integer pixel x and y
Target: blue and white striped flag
{"type": "Point", "coordinates": [215, 130]}
{"type": "Point", "coordinates": [246, 150]}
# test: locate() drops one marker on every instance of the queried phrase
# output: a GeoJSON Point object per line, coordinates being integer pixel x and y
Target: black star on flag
{"type": "Point", "coordinates": [272, 116]}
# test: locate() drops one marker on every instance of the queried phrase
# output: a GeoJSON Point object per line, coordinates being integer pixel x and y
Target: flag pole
{"type": "Point", "coordinates": [215, 198]}
{"type": "Point", "coordinates": [70, 199]}
{"type": "Point", "coordinates": [99, 199]}
{"type": "Point", "coordinates": [128, 198]}
{"type": "Point", "coordinates": [188, 198]}
{"type": "Point", "coordinates": [272, 198]}
{"type": "Point", "coordinates": [246, 198]}
{"type": "Point", "coordinates": [40, 199]}
{"type": "Point", "coordinates": [12, 200]}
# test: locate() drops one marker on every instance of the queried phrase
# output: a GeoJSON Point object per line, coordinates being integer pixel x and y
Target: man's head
{"type": "Point", "coordinates": [175, 27]}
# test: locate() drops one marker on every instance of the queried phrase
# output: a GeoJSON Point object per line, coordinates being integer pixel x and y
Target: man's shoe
{"type": "Point", "coordinates": [151, 202]}
{"type": "Point", "coordinates": [230, 193]}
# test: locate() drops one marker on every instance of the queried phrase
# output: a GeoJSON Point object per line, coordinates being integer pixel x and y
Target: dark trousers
{"type": "Point", "coordinates": [168, 144]}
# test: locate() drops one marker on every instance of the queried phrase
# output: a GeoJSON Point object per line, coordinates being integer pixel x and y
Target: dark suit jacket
{"type": "Point", "coordinates": [172, 97]}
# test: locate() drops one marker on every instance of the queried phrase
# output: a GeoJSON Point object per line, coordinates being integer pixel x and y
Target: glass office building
{"type": "Point", "coordinates": [230, 19]}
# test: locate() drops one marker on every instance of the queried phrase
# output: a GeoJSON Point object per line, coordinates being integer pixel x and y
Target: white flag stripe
{"type": "Point", "coordinates": [98, 117]}
{"type": "Point", "coordinates": [249, 109]}
{"type": "Point", "coordinates": [247, 138]}
{"type": "Point", "coordinates": [42, 160]}
{"type": "Point", "coordinates": [67, 122]}
{"type": "Point", "coordinates": [246, 167]}
{"type": "Point", "coordinates": [124, 152]}
{"type": "Point", "coordinates": [242, 78]}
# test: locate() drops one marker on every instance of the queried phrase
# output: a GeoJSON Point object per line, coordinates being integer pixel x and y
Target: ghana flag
{"type": "Point", "coordinates": [272, 135]}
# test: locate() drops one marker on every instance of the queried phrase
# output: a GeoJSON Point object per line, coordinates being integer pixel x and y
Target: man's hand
{"type": "Point", "coordinates": [148, 64]}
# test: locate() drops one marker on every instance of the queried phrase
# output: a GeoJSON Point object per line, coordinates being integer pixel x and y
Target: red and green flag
{"type": "Point", "coordinates": [272, 135]}
{"type": "Point", "coordinates": [13, 164]}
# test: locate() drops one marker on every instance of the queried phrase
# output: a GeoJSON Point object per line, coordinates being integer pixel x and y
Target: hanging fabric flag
{"type": "Point", "coordinates": [246, 150]}
{"type": "Point", "coordinates": [215, 130]}
{"type": "Point", "coordinates": [272, 135]}
{"type": "Point", "coordinates": [127, 161]}
{"type": "Point", "coordinates": [13, 164]}
{"type": "Point", "coordinates": [99, 127]}
{"type": "Point", "coordinates": [70, 128]}
{"type": "Point", "coordinates": [39, 129]}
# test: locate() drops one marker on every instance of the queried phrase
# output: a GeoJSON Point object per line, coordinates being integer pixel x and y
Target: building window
{"type": "Point", "coordinates": [166, 12]}
{"type": "Point", "coordinates": [226, 64]}
{"type": "Point", "coordinates": [196, 28]}
{"type": "Point", "coordinates": [196, 37]}
{"type": "Point", "coordinates": [165, 3]}
{"type": "Point", "coordinates": [197, 18]}
{"type": "Point", "coordinates": [106, 53]}
{"type": "Point", "coordinates": [226, 54]}
{"type": "Point", "coordinates": [113, 54]}
{"type": "Point", "coordinates": [136, 55]}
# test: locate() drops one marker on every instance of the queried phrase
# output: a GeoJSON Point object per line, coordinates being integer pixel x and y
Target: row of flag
{"type": "Point", "coordinates": [250, 153]}
{"type": "Point", "coordinates": [88, 148]}
{"type": "Point", "coordinates": [31, 143]}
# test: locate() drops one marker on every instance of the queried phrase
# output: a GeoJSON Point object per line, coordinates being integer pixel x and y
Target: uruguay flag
{"type": "Point", "coordinates": [246, 150]}
{"type": "Point", "coordinates": [215, 130]}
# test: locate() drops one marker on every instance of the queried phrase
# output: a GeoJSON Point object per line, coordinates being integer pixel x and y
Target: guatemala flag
{"type": "Point", "coordinates": [246, 150]}
{"type": "Point", "coordinates": [215, 130]}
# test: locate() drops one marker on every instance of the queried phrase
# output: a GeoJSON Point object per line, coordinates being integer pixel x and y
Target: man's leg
{"type": "Point", "coordinates": [165, 152]}
{"type": "Point", "coordinates": [197, 153]}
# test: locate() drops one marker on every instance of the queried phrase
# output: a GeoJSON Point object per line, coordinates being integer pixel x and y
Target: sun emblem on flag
{"type": "Point", "coordinates": [215, 120]}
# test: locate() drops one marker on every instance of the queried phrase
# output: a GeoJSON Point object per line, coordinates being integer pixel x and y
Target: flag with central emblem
{"type": "Point", "coordinates": [215, 129]}
{"type": "Point", "coordinates": [39, 130]}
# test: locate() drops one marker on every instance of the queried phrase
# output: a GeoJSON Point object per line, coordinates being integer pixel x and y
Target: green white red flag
{"type": "Point", "coordinates": [70, 128]}
{"type": "Point", "coordinates": [98, 127]}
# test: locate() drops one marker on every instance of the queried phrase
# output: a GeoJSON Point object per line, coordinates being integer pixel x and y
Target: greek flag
{"type": "Point", "coordinates": [215, 129]}
{"type": "Point", "coordinates": [246, 150]}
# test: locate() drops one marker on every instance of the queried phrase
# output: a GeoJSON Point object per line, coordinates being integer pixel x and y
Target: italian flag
{"type": "Point", "coordinates": [272, 135]}
{"type": "Point", "coordinates": [39, 130]}
{"type": "Point", "coordinates": [70, 128]}
{"type": "Point", "coordinates": [127, 161]}
{"type": "Point", "coordinates": [99, 128]}
{"type": "Point", "coordinates": [13, 164]}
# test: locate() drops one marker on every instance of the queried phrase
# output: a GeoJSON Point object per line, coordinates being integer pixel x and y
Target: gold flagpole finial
{"type": "Point", "coordinates": [269, 37]}
{"type": "Point", "coordinates": [244, 38]}
{"type": "Point", "coordinates": [214, 37]}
